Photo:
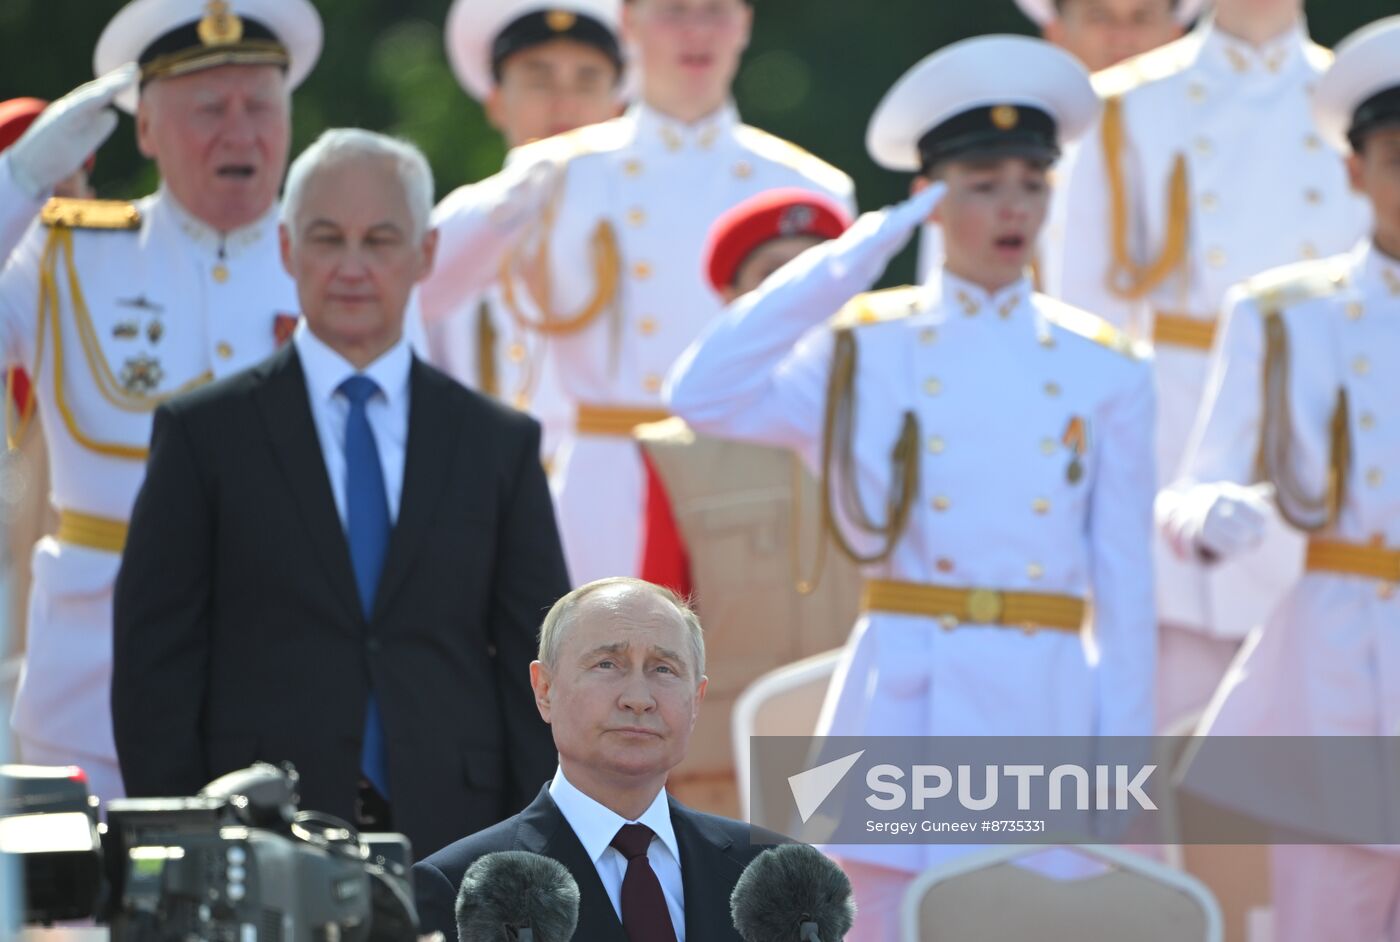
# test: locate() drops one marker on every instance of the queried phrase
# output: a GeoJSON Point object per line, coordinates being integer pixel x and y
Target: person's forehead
{"type": "Point", "coordinates": [625, 614]}
{"type": "Point", "coordinates": [224, 80]}
{"type": "Point", "coordinates": [370, 179]}
{"type": "Point", "coordinates": [559, 52]}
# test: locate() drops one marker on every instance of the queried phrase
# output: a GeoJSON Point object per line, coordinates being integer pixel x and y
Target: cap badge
{"type": "Point", "coordinates": [1005, 117]}
{"type": "Point", "coordinates": [561, 21]}
{"type": "Point", "coordinates": [796, 220]}
{"type": "Point", "coordinates": [220, 26]}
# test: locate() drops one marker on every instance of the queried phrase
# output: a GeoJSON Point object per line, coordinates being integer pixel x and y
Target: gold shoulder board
{"type": "Point", "coordinates": [876, 307]}
{"type": "Point", "coordinates": [1094, 328]}
{"type": "Point", "coordinates": [61, 213]}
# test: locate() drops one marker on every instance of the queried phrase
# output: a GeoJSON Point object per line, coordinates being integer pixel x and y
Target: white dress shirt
{"type": "Point", "coordinates": [387, 410]}
{"type": "Point", "coordinates": [597, 825]}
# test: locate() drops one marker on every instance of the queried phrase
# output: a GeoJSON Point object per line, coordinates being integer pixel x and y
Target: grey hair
{"type": "Point", "coordinates": [564, 612]}
{"type": "Point", "coordinates": [341, 145]}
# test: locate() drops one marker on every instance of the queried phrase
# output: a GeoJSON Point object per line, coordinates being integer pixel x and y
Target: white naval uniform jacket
{"type": "Point", "coordinates": [661, 185]}
{"type": "Point", "coordinates": [168, 305]}
{"type": "Point", "coordinates": [994, 382]}
{"type": "Point", "coordinates": [1264, 191]}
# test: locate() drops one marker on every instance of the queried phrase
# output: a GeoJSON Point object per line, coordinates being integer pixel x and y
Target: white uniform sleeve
{"type": "Point", "coordinates": [19, 299]}
{"type": "Point", "coordinates": [1078, 246]}
{"type": "Point", "coordinates": [1120, 533]}
{"type": "Point", "coordinates": [17, 210]}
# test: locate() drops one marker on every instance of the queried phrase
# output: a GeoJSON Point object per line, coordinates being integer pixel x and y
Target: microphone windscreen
{"type": "Point", "coordinates": [787, 885]}
{"type": "Point", "coordinates": [517, 889]}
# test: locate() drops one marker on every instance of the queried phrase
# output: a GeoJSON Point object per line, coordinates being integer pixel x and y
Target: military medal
{"type": "Point", "coordinates": [126, 330]}
{"type": "Point", "coordinates": [1076, 439]}
{"type": "Point", "coordinates": [142, 374]}
{"type": "Point", "coordinates": [154, 331]}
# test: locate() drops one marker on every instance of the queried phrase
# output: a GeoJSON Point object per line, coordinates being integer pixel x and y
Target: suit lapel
{"type": "Point", "coordinates": [286, 412]}
{"type": "Point", "coordinates": [708, 873]}
{"type": "Point", "coordinates": [543, 830]}
{"type": "Point", "coordinates": [432, 441]}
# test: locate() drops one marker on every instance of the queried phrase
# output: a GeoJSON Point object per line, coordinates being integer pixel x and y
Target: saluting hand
{"type": "Point", "coordinates": [68, 131]}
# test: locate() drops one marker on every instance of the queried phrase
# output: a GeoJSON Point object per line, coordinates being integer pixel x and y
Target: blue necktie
{"type": "Point", "coordinates": [367, 528]}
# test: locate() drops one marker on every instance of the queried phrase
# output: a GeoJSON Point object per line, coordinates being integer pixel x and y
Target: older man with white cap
{"type": "Point", "coordinates": [1206, 169]}
{"type": "Point", "coordinates": [1304, 392]}
{"type": "Point", "coordinates": [538, 69]}
{"type": "Point", "coordinates": [113, 307]}
{"type": "Point", "coordinates": [1007, 435]}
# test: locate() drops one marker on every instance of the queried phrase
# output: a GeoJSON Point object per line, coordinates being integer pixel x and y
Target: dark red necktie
{"type": "Point", "coordinates": [645, 917]}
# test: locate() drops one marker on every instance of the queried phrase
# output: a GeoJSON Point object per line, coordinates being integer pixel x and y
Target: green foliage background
{"type": "Point", "coordinates": [813, 73]}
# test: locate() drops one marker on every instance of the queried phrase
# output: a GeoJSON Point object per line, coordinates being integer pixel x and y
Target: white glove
{"type": "Point", "coordinates": [1235, 518]}
{"type": "Point", "coordinates": [68, 131]}
{"type": "Point", "coordinates": [876, 237]}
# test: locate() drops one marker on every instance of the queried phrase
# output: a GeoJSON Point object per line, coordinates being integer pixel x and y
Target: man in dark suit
{"type": "Point", "coordinates": [339, 557]}
{"type": "Point", "coordinates": [620, 677]}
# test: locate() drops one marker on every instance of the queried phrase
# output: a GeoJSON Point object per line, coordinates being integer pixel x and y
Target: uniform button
{"type": "Point", "coordinates": [941, 503]}
{"type": "Point", "coordinates": [927, 336]}
{"type": "Point", "coordinates": [936, 445]}
{"type": "Point", "coordinates": [1375, 477]}
{"type": "Point", "coordinates": [1048, 446]}
{"type": "Point", "coordinates": [944, 564]}
{"type": "Point", "coordinates": [641, 271]}
{"type": "Point", "coordinates": [1312, 142]}
{"type": "Point", "coordinates": [521, 401]}
{"type": "Point", "coordinates": [1308, 251]}
{"type": "Point", "coordinates": [224, 349]}
{"type": "Point", "coordinates": [947, 622]}
{"type": "Point", "coordinates": [647, 326]}
{"type": "Point", "coordinates": [1040, 505]}
{"type": "Point", "coordinates": [1386, 591]}
{"type": "Point", "coordinates": [220, 273]}
{"type": "Point", "coordinates": [1361, 366]}
{"type": "Point", "coordinates": [1210, 202]}
{"type": "Point", "coordinates": [516, 352]}
{"type": "Point", "coordinates": [652, 383]}
{"type": "Point", "coordinates": [1368, 421]}
{"type": "Point", "coordinates": [1196, 91]}
{"type": "Point", "coordinates": [1354, 310]}
{"type": "Point", "coordinates": [1047, 341]}
{"type": "Point", "coordinates": [633, 168]}
{"type": "Point", "coordinates": [373, 645]}
{"type": "Point", "coordinates": [1313, 196]}
{"type": "Point", "coordinates": [1052, 389]}
{"type": "Point", "coordinates": [1035, 570]}
{"type": "Point", "coordinates": [743, 170]}
{"type": "Point", "coordinates": [636, 216]}
{"type": "Point", "coordinates": [933, 386]}
{"type": "Point", "coordinates": [1203, 146]}
{"type": "Point", "coordinates": [1216, 258]}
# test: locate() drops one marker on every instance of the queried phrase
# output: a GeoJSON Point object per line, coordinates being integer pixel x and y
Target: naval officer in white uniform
{"type": "Point", "coordinates": [1206, 169]}
{"type": "Point", "coordinates": [1307, 378]}
{"type": "Point", "coordinates": [986, 450]}
{"type": "Point", "coordinates": [113, 307]}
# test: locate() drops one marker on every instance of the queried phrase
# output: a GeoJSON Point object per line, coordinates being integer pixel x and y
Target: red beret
{"type": "Point", "coordinates": [769, 215]}
{"type": "Point", "coordinates": [17, 114]}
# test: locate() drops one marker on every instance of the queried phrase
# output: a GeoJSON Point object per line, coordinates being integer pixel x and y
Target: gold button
{"type": "Point", "coordinates": [224, 350]}
{"type": "Point", "coordinates": [941, 503]}
{"type": "Point", "coordinates": [1216, 258]}
{"type": "Point", "coordinates": [633, 168]}
{"type": "Point", "coordinates": [1368, 421]}
{"type": "Point", "coordinates": [1047, 341]}
{"type": "Point", "coordinates": [1361, 366]}
{"type": "Point", "coordinates": [1313, 196]}
{"type": "Point", "coordinates": [1355, 310]}
{"type": "Point", "coordinates": [522, 401]}
{"type": "Point", "coordinates": [1210, 202]}
{"type": "Point", "coordinates": [927, 336]}
{"type": "Point", "coordinates": [1196, 91]}
{"type": "Point", "coordinates": [1035, 570]}
{"type": "Point", "coordinates": [647, 326]}
{"type": "Point", "coordinates": [936, 445]}
{"type": "Point", "coordinates": [1312, 142]}
{"type": "Point", "coordinates": [933, 386]}
{"type": "Point", "coordinates": [1048, 446]}
{"type": "Point", "coordinates": [220, 273]}
{"type": "Point", "coordinates": [985, 606]}
{"type": "Point", "coordinates": [1308, 250]}
{"type": "Point", "coordinates": [641, 271]}
{"type": "Point", "coordinates": [1040, 505]}
{"type": "Point", "coordinates": [1203, 146]}
{"type": "Point", "coordinates": [636, 216]}
{"type": "Point", "coordinates": [1052, 389]}
{"type": "Point", "coordinates": [1386, 591]}
{"type": "Point", "coordinates": [652, 382]}
{"type": "Point", "coordinates": [1375, 477]}
{"type": "Point", "coordinates": [944, 564]}
{"type": "Point", "coordinates": [743, 170]}
{"type": "Point", "coordinates": [947, 622]}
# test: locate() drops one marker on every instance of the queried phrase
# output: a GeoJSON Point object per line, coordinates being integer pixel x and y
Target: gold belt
{"type": "Point", "coordinates": [99, 533]}
{"type": "Point", "coordinates": [953, 605]}
{"type": "Point", "coordinates": [1354, 559]}
{"type": "Point", "coordinates": [615, 421]}
{"type": "Point", "coordinates": [1183, 330]}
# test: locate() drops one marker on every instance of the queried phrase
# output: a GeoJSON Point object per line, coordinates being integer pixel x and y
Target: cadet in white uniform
{"type": "Point", "coordinates": [1007, 437]}
{"type": "Point", "coordinates": [538, 69]}
{"type": "Point", "coordinates": [1205, 170]}
{"type": "Point", "coordinates": [113, 307]}
{"type": "Point", "coordinates": [612, 271]}
{"type": "Point", "coordinates": [1307, 379]}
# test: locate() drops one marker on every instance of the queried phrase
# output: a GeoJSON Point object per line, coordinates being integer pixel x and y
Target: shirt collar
{"type": "Point", "coordinates": [1380, 274]}
{"type": "Point", "coordinates": [225, 244]}
{"type": "Point", "coordinates": [596, 824]}
{"type": "Point", "coordinates": [655, 129]}
{"type": "Point", "coordinates": [1230, 56]}
{"type": "Point", "coordinates": [326, 369]}
{"type": "Point", "coordinates": [973, 300]}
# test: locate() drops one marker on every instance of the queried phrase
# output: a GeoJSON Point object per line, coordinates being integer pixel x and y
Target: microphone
{"type": "Point", "coordinates": [517, 896]}
{"type": "Point", "coordinates": [792, 893]}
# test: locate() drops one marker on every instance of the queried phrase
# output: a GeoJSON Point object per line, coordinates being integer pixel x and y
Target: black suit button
{"type": "Point", "coordinates": [373, 645]}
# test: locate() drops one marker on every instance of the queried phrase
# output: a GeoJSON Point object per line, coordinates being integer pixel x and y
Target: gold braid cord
{"type": "Point", "coordinates": [1275, 459]}
{"type": "Point", "coordinates": [1126, 278]}
{"type": "Point", "coordinates": [486, 373]}
{"type": "Point", "coordinates": [838, 448]}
